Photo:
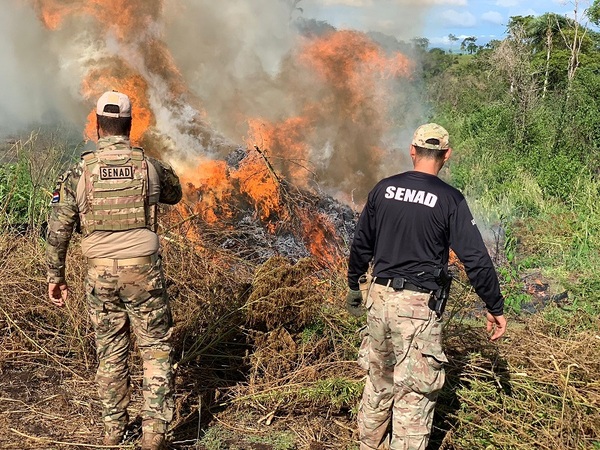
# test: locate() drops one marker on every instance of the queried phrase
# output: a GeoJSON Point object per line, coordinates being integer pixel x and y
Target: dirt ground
{"type": "Point", "coordinates": [47, 408]}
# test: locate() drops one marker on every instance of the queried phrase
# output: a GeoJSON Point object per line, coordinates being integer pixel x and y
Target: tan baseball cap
{"type": "Point", "coordinates": [431, 136]}
{"type": "Point", "coordinates": [114, 98]}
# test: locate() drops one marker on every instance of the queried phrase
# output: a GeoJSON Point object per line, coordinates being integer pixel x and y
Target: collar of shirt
{"type": "Point", "coordinates": [106, 142]}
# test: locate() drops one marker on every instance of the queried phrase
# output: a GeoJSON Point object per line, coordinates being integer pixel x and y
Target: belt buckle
{"type": "Point", "coordinates": [398, 283]}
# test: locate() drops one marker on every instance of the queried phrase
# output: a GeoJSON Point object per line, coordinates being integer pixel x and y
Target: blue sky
{"type": "Point", "coordinates": [434, 19]}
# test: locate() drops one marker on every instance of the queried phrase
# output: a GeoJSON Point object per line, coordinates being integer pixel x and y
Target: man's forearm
{"type": "Point", "coordinates": [55, 259]}
{"type": "Point", "coordinates": [58, 239]}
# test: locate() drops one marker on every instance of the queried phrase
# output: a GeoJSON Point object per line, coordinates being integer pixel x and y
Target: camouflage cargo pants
{"type": "Point", "coordinates": [120, 299]}
{"type": "Point", "coordinates": [403, 354]}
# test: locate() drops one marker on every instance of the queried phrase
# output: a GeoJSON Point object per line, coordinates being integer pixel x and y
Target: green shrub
{"type": "Point", "coordinates": [28, 175]}
{"type": "Point", "coordinates": [17, 199]}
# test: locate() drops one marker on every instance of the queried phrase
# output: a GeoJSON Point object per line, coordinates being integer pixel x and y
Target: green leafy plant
{"type": "Point", "coordinates": [28, 177]}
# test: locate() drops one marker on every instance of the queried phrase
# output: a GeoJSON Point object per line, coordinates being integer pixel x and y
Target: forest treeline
{"type": "Point", "coordinates": [524, 113]}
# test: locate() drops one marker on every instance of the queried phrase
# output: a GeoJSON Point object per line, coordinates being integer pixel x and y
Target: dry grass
{"type": "Point", "coordinates": [46, 354]}
{"type": "Point", "coordinates": [534, 390]}
{"type": "Point", "coordinates": [267, 348]}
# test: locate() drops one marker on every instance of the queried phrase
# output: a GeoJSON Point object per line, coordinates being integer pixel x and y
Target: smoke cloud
{"type": "Point", "coordinates": [208, 76]}
{"type": "Point", "coordinates": [34, 82]}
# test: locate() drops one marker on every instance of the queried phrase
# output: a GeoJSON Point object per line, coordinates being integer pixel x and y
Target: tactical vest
{"type": "Point", "coordinates": [116, 186]}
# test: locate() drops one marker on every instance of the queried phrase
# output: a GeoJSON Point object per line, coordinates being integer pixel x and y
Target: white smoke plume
{"type": "Point", "coordinates": [236, 61]}
{"type": "Point", "coordinates": [34, 82]}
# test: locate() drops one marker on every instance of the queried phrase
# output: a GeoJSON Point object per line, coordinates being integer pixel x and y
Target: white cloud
{"type": "Point", "coordinates": [437, 41]}
{"type": "Point", "coordinates": [458, 19]}
{"type": "Point", "coordinates": [528, 12]}
{"type": "Point", "coordinates": [493, 17]}
{"type": "Point", "coordinates": [357, 3]}
{"type": "Point", "coordinates": [445, 2]}
{"type": "Point", "coordinates": [507, 3]}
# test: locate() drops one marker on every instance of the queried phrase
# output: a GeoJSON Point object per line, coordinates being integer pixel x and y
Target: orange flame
{"type": "Point", "coordinates": [128, 22]}
{"type": "Point", "coordinates": [350, 60]}
{"type": "Point", "coordinates": [319, 235]}
{"type": "Point", "coordinates": [124, 18]}
{"type": "Point", "coordinates": [350, 68]}
{"type": "Point", "coordinates": [344, 113]}
{"type": "Point", "coordinates": [217, 192]}
{"type": "Point", "coordinates": [343, 104]}
{"type": "Point", "coordinates": [286, 141]}
{"type": "Point", "coordinates": [261, 186]}
{"type": "Point", "coordinates": [209, 187]}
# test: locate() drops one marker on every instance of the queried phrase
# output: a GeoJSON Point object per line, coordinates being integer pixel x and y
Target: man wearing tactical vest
{"type": "Point", "coordinates": [112, 195]}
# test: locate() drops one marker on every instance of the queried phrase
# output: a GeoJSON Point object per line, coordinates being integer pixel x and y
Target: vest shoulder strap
{"type": "Point", "coordinates": [137, 153]}
{"type": "Point", "coordinates": [89, 158]}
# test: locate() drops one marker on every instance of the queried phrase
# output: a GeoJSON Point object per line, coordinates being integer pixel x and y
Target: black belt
{"type": "Point", "coordinates": [399, 284]}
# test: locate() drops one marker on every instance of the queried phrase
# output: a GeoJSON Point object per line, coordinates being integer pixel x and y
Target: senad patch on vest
{"type": "Point", "coordinates": [116, 173]}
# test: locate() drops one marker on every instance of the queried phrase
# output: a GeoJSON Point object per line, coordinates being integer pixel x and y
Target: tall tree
{"type": "Point", "coordinates": [512, 60]}
{"type": "Point", "coordinates": [421, 43]}
{"type": "Point", "coordinates": [549, 41]}
{"type": "Point", "coordinates": [469, 44]}
{"type": "Point", "coordinates": [534, 30]}
{"type": "Point", "coordinates": [574, 42]}
{"type": "Point", "coordinates": [452, 39]}
{"type": "Point", "coordinates": [547, 37]}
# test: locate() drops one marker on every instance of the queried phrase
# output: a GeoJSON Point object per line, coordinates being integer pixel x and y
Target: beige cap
{"type": "Point", "coordinates": [114, 98]}
{"type": "Point", "coordinates": [438, 137]}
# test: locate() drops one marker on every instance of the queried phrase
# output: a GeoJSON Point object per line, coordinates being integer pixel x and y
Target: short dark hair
{"type": "Point", "coordinates": [429, 153]}
{"type": "Point", "coordinates": [114, 126]}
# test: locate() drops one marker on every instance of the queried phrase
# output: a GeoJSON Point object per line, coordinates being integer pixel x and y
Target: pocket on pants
{"type": "Point", "coordinates": [363, 351]}
{"type": "Point", "coordinates": [89, 286]}
{"type": "Point", "coordinates": [156, 280]}
{"type": "Point", "coordinates": [157, 322]}
{"type": "Point", "coordinates": [426, 370]}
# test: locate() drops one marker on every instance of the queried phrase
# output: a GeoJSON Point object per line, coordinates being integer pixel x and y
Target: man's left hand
{"type": "Point", "coordinates": [353, 301]}
{"type": "Point", "coordinates": [497, 325]}
{"type": "Point", "coordinates": [58, 293]}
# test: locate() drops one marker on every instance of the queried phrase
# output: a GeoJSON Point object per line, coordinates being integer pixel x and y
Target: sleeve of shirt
{"type": "Point", "coordinates": [467, 243]}
{"type": "Point", "coordinates": [363, 244]}
{"type": "Point", "coordinates": [170, 187]}
{"type": "Point", "coordinates": [64, 216]}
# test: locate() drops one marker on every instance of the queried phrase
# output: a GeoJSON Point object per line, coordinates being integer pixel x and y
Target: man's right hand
{"type": "Point", "coordinates": [353, 301]}
{"type": "Point", "coordinates": [497, 322]}
{"type": "Point", "coordinates": [58, 293]}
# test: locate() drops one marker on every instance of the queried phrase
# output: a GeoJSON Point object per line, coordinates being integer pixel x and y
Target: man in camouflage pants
{"type": "Point", "coordinates": [405, 230]}
{"type": "Point", "coordinates": [112, 195]}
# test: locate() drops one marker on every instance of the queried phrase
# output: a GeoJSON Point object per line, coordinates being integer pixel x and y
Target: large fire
{"type": "Point", "coordinates": [138, 63]}
{"type": "Point", "coordinates": [340, 79]}
{"type": "Point", "coordinates": [346, 108]}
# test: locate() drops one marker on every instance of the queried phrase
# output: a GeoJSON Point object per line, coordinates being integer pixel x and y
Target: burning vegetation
{"type": "Point", "coordinates": [324, 120]}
